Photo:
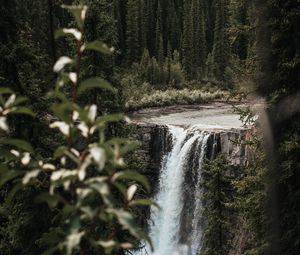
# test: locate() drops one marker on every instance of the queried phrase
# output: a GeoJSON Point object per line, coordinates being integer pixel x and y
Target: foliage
{"type": "Point", "coordinates": [85, 183]}
{"type": "Point", "coordinates": [218, 194]}
{"type": "Point", "coordinates": [278, 80]}
{"type": "Point", "coordinates": [174, 97]}
{"type": "Point", "coordinates": [221, 49]}
{"type": "Point", "coordinates": [250, 201]}
{"type": "Point", "coordinates": [162, 73]}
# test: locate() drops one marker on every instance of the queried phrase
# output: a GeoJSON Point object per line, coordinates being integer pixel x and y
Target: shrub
{"type": "Point", "coordinates": [85, 183]}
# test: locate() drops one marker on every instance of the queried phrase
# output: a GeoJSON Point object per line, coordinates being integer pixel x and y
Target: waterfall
{"type": "Point", "coordinates": [165, 222]}
{"type": "Point", "coordinates": [196, 227]}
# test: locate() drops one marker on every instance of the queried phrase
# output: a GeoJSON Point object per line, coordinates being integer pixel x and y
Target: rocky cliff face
{"type": "Point", "coordinates": [155, 142]}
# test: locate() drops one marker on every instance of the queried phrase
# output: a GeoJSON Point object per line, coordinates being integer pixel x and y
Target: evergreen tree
{"type": "Point", "coordinates": [194, 40]}
{"type": "Point", "coordinates": [169, 62]}
{"type": "Point", "coordinates": [186, 46]}
{"type": "Point", "coordinates": [210, 16]}
{"type": "Point", "coordinates": [156, 78]}
{"type": "Point", "coordinates": [151, 26]}
{"type": "Point", "coordinates": [221, 46]}
{"type": "Point", "coordinates": [209, 67]}
{"type": "Point", "coordinates": [200, 38]}
{"type": "Point", "coordinates": [101, 24]}
{"type": "Point", "coordinates": [160, 54]}
{"type": "Point", "coordinates": [250, 201]}
{"type": "Point", "coordinates": [173, 25]}
{"type": "Point", "coordinates": [217, 189]}
{"type": "Point", "coordinates": [145, 66]}
{"type": "Point", "coordinates": [132, 31]}
{"type": "Point", "coordinates": [119, 7]}
{"type": "Point", "coordinates": [241, 27]}
{"type": "Point", "coordinates": [143, 24]}
{"type": "Point", "coordinates": [158, 30]}
{"type": "Point", "coordinates": [161, 60]}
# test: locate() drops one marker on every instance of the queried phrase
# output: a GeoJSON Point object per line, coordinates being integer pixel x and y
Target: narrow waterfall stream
{"type": "Point", "coordinates": [165, 223]}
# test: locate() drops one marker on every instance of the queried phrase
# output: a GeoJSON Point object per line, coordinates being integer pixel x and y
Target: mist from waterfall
{"type": "Point", "coordinates": [165, 223]}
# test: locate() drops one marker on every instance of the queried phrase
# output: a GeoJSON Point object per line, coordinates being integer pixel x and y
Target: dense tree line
{"type": "Point", "coordinates": [207, 34]}
{"type": "Point", "coordinates": [210, 38]}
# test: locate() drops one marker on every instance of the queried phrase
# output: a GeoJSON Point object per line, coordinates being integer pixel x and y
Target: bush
{"type": "Point", "coordinates": [174, 97]}
{"type": "Point", "coordinates": [85, 183]}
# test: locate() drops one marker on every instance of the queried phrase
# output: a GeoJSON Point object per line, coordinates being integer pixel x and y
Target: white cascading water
{"type": "Point", "coordinates": [196, 238]}
{"type": "Point", "coordinates": [164, 223]}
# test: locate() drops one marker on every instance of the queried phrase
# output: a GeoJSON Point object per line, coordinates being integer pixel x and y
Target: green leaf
{"type": "Point", "coordinates": [58, 94]}
{"type": "Point", "coordinates": [134, 176]}
{"type": "Point", "coordinates": [127, 221]}
{"type": "Point", "coordinates": [121, 188]}
{"type": "Point", "coordinates": [143, 202]}
{"type": "Point", "coordinates": [100, 47]}
{"type": "Point", "coordinates": [51, 200]}
{"type": "Point", "coordinates": [68, 32]}
{"type": "Point", "coordinates": [5, 91]}
{"type": "Point", "coordinates": [78, 11]}
{"type": "Point", "coordinates": [23, 110]}
{"type": "Point", "coordinates": [102, 121]}
{"type": "Point", "coordinates": [21, 144]}
{"type": "Point", "coordinates": [60, 151]}
{"type": "Point", "coordinates": [7, 174]}
{"type": "Point", "coordinates": [103, 189]}
{"type": "Point", "coordinates": [63, 111]}
{"type": "Point", "coordinates": [72, 157]}
{"type": "Point", "coordinates": [94, 83]}
{"type": "Point", "coordinates": [88, 211]}
{"type": "Point", "coordinates": [19, 100]}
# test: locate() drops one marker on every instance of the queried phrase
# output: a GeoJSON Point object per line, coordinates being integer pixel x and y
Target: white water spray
{"type": "Point", "coordinates": [164, 223]}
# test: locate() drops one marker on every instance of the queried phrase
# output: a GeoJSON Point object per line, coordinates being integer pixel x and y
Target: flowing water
{"type": "Point", "coordinates": [165, 222]}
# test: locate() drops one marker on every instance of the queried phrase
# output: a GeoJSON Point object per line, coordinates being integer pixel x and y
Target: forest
{"type": "Point", "coordinates": [72, 176]}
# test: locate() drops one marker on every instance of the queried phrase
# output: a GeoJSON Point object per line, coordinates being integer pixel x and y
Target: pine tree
{"type": "Point", "coordinates": [186, 47]}
{"type": "Point", "coordinates": [173, 25]}
{"type": "Point", "coordinates": [210, 16]}
{"type": "Point", "coordinates": [200, 39]}
{"type": "Point", "coordinates": [158, 30]}
{"type": "Point", "coordinates": [217, 194]}
{"type": "Point", "coordinates": [169, 62]}
{"type": "Point", "coordinates": [160, 53]}
{"type": "Point", "coordinates": [151, 26]}
{"type": "Point", "coordinates": [161, 60]}
{"type": "Point", "coordinates": [101, 24]}
{"type": "Point", "coordinates": [241, 26]}
{"type": "Point", "coordinates": [143, 24]}
{"type": "Point", "coordinates": [132, 32]}
{"type": "Point", "coordinates": [221, 47]}
{"type": "Point", "coordinates": [209, 67]}
{"type": "Point", "coordinates": [155, 80]}
{"type": "Point", "coordinates": [194, 40]}
{"type": "Point", "coordinates": [118, 16]}
{"type": "Point", "coordinates": [145, 65]}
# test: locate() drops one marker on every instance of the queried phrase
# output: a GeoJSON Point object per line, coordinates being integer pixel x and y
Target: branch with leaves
{"type": "Point", "coordinates": [88, 186]}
